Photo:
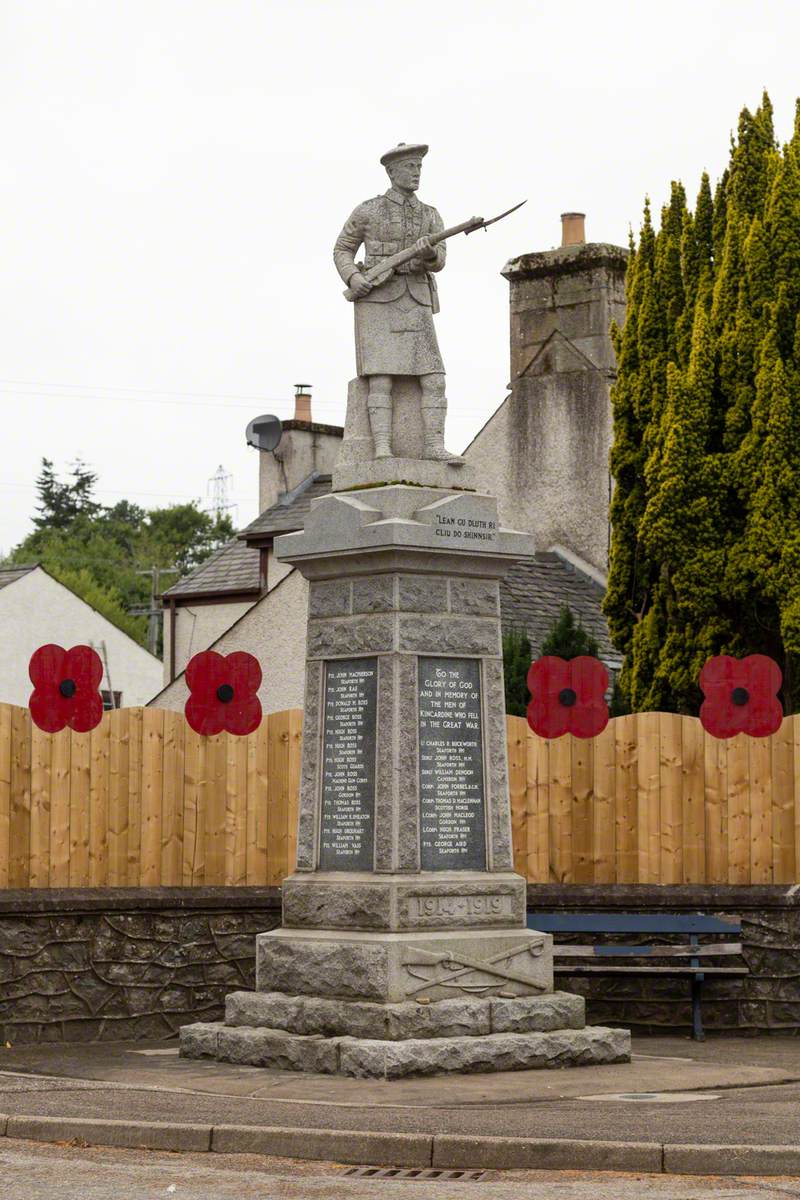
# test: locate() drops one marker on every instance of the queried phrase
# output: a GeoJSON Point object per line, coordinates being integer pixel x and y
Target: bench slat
{"type": "Point", "coordinates": [611, 951]}
{"type": "Point", "coordinates": [603, 922]}
{"type": "Point", "coordinates": [580, 969]}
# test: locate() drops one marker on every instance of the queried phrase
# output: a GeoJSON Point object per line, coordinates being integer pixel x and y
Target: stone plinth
{"type": "Point", "coordinates": [403, 940]}
{"type": "Point", "coordinates": [356, 466]}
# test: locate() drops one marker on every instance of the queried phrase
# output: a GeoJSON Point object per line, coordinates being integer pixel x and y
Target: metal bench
{"type": "Point", "coordinates": [690, 925]}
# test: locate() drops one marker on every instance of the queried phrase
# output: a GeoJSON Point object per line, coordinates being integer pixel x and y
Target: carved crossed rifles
{"type": "Point", "coordinates": [452, 968]}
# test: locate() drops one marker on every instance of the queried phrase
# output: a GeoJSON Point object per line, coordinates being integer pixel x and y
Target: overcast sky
{"type": "Point", "coordinates": [174, 173]}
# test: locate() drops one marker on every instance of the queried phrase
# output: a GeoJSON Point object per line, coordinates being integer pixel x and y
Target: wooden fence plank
{"type": "Point", "coordinates": [60, 766]}
{"type": "Point", "coordinates": [517, 747]}
{"type": "Point", "coordinates": [604, 832]}
{"type": "Point", "coordinates": [738, 810]}
{"type": "Point", "coordinates": [626, 800]}
{"type": "Point", "coordinates": [174, 768]}
{"type": "Point", "coordinates": [236, 812]}
{"type": "Point", "coordinates": [715, 755]}
{"type": "Point", "coordinates": [295, 761]}
{"type": "Point", "coordinates": [648, 797]}
{"type": "Point", "coordinates": [6, 711]}
{"type": "Point", "coordinates": [277, 832]}
{"type": "Point", "coordinates": [214, 810]}
{"type": "Point", "coordinates": [538, 809]}
{"type": "Point", "coordinates": [152, 796]}
{"type": "Point", "coordinates": [79, 802]}
{"type": "Point", "coordinates": [670, 729]}
{"type": "Point", "coordinates": [560, 808]}
{"type": "Point", "coordinates": [118, 769]}
{"type": "Point", "coordinates": [194, 792]}
{"type": "Point", "coordinates": [582, 776]}
{"type": "Point", "coordinates": [694, 807]}
{"type": "Point", "coordinates": [760, 811]}
{"type": "Point", "coordinates": [19, 834]}
{"type": "Point", "coordinates": [784, 865]}
{"type": "Point", "coordinates": [41, 754]}
{"type": "Point", "coordinates": [256, 807]}
{"type": "Point", "coordinates": [135, 739]}
{"type": "Point", "coordinates": [99, 792]}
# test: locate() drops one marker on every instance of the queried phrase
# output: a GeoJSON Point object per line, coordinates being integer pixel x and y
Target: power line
{"type": "Point", "coordinates": [129, 492]}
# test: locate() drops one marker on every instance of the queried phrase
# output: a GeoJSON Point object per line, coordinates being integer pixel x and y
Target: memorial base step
{"type": "Point", "coordinates": [384, 1059]}
{"type": "Point", "coordinates": [388, 968]}
{"type": "Point", "coordinates": [459, 1017]}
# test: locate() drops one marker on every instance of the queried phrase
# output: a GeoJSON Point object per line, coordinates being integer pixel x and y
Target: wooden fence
{"type": "Point", "coordinates": [142, 801]}
{"type": "Point", "coordinates": [654, 799]}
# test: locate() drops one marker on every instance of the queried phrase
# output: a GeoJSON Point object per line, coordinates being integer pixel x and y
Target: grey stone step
{"type": "Point", "coordinates": [459, 1017]}
{"type": "Point", "coordinates": [381, 1059]}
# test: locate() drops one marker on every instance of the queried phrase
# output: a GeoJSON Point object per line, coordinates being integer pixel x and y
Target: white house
{"type": "Point", "coordinates": [35, 609]}
{"type": "Point", "coordinates": [543, 453]}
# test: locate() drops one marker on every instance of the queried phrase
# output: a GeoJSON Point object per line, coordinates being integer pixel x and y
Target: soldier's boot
{"type": "Point", "coordinates": [379, 407]}
{"type": "Point", "coordinates": [434, 410]}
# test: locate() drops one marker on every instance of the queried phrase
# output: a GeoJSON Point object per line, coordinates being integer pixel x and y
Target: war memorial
{"type": "Point", "coordinates": [403, 948]}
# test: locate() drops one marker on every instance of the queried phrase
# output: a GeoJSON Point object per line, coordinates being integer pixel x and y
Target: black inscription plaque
{"type": "Point", "coordinates": [451, 765]}
{"type": "Point", "coordinates": [348, 765]}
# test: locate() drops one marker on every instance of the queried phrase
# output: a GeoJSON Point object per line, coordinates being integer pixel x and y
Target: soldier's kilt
{"type": "Point", "coordinates": [396, 337]}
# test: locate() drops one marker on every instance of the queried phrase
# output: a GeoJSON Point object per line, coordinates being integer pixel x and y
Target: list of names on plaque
{"type": "Point", "coordinates": [348, 765]}
{"type": "Point", "coordinates": [451, 765]}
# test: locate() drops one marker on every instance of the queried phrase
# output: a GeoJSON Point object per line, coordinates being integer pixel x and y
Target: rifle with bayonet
{"type": "Point", "coordinates": [381, 272]}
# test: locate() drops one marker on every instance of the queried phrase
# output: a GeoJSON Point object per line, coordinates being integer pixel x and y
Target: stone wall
{"type": "Point", "coordinates": [767, 1000]}
{"type": "Point", "coordinates": [101, 964]}
{"type": "Point", "coordinates": [118, 963]}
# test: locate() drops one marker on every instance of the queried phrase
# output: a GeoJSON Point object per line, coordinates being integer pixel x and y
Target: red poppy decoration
{"type": "Point", "coordinates": [223, 693]}
{"type": "Point", "coordinates": [65, 688]}
{"type": "Point", "coordinates": [567, 696]}
{"type": "Point", "coordinates": [741, 696]}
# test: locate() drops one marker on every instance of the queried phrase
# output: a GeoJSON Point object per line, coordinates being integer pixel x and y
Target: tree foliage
{"type": "Point", "coordinates": [98, 551]}
{"type": "Point", "coordinates": [568, 638]}
{"type": "Point", "coordinates": [706, 455]}
{"type": "Point", "coordinates": [516, 664]}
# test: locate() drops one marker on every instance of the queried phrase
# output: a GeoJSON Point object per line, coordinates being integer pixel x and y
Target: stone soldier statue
{"type": "Point", "coordinates": [395, 334]}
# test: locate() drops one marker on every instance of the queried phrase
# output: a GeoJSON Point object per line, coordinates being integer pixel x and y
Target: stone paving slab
{"type": "Point", "coordinates": [658, 1064]}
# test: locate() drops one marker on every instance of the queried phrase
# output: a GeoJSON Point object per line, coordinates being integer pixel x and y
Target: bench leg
{"type": "Point", "coordinates": [697, 1017]}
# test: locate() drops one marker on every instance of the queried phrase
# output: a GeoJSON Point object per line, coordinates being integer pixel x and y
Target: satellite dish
{"type": "Point", "coordinates": [264, 433]}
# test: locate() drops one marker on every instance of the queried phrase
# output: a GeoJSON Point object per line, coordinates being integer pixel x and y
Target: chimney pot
{"type": "Point", "coordinates": [302, 402]}
{"type": "Point", "coordinates": [573, 232]}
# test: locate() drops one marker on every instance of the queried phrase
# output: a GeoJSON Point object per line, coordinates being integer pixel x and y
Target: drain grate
{"type": "Point", "coordinates": [421, 1173]}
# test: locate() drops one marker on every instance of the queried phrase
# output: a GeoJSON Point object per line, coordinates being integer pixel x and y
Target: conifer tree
{"type": "Point", "coordinates": [516, 664]}
{"type": "Point", "coordinates": [568, 638]}
{"type": "Point", "coordinates": [705, 548]}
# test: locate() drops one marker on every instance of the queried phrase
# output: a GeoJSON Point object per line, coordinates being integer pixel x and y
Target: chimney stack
{"type": "Point", "coordinates": [572, 229]}
{"type": "Point", "coordinates": [302, 402]}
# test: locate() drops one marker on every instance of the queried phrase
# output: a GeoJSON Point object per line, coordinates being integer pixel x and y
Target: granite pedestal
{"type": "Point", "coordinates": [403, 948]}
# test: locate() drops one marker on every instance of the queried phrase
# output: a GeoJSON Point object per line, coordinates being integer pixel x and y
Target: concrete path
{"type": "Point", "coordinates": [717, 1097]}
{"type": "Point", "coordinates": [30, 1171]}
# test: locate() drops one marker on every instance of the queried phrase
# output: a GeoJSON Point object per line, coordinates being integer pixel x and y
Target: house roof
{"type": "Point", "coordinates": [235, 567]}
{"type": "Point", "coordinates": [288, 514]}
{"type": "Point", "coordinates": [12, 573]}
{"type": "Point", "coordinates": [534, 592]}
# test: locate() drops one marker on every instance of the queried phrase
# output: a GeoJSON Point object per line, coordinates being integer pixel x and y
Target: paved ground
{"type": "Point", "coordinates": [32, 1171]}
{"type": "Point", "coordinates": [735, 1091]}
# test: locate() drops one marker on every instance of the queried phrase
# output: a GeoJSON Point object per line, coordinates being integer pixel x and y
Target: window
{"type": "Point", "coordinates": [111, 700]}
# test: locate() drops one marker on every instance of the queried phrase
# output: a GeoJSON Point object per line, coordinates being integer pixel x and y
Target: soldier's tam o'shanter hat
{"type": "Point", "coordinates": [404, 150]}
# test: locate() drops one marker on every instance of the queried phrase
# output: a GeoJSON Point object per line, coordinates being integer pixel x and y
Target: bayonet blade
{"type": "Point", "coordinates": [486, 224]}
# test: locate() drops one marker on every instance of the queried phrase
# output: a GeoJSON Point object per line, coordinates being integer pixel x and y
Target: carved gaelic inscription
{"type": "Point", "coordinates": [451, 765]}
{"type": "Point", "coordinates": [348, 766]}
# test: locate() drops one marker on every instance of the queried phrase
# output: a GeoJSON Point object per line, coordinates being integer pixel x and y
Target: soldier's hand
{"type": "Point", "coordinates": [360, 285]}
{"type": "Point", "coordinates": [424, 248]}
